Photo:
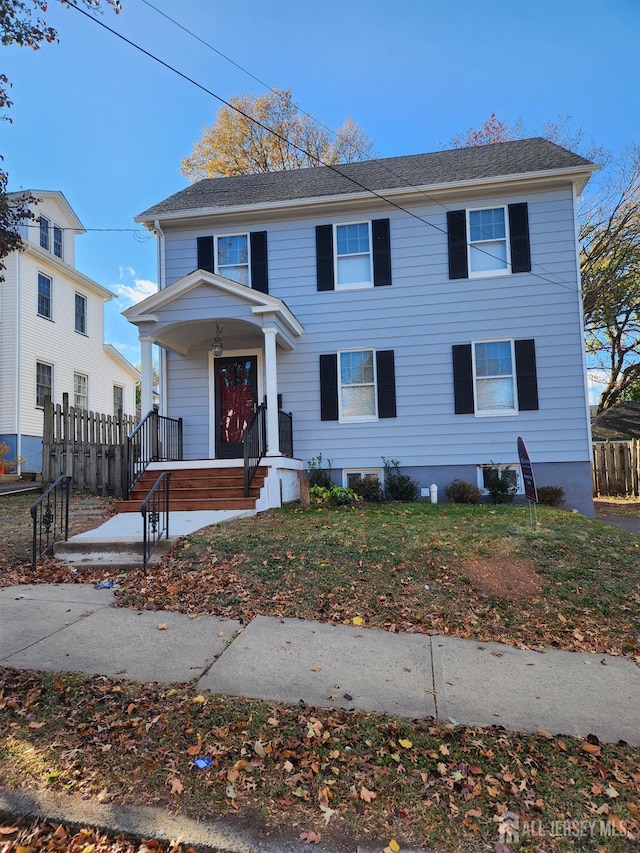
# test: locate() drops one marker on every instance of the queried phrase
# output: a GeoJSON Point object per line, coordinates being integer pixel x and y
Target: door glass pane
{"type": "Point", "coordinates": [236, 383]}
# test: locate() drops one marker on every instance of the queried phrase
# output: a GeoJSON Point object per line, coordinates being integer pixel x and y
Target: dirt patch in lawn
{"type": "Point", "coordinates": [511, 578]}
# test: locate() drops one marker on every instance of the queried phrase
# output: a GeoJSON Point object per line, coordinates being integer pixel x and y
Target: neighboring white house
{"type": "Point", "coordinates": [424, 308]}
{"type": "Point", "coordinates": [52, 333]}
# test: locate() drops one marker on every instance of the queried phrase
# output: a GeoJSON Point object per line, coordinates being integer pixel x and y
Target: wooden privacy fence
{"type": "Point", "coordinates": [616, 468]}
{"type": "Point", "coordinates": [89, 446]}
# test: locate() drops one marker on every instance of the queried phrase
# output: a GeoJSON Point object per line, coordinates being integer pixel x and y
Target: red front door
{"type": "Point", "coordinates": [236, 391]}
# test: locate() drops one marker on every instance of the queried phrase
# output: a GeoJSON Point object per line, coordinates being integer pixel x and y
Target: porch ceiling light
{"type": "Point", "coordinates": [217, 347]}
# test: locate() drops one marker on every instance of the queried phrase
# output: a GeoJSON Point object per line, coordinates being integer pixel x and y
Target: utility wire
{"type": "Point", "coordinates": [297, 147]}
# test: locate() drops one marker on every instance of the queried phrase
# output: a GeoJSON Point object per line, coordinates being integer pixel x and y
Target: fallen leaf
{"type": "Point", "coordinates": [358, 620]}
{"type": "Point", "coordinates": [367, 795]}
{"type": "Point", "coordinates": [611, 792]}
{"type": "Point", "coordinates": [393, 846]}
{"type": "Point", "coordinates": [310, 837]}
{"type": "Point", "coordinates": [316, 669]}
{"type": "Point", "coordinates": [37, 725]}
{"type": "Point", "coordinates": [176, 785]}
{"type": "Point", "coordinates": [591, 748]}
{"type": "Point", "coordinates": [405, 742]}
{"type": "Point", "coordinates": [562, 618]}
{"type": "Point", "coordinates": [259, 749]}
{"type": "Point", "coordinates": [162, 626]}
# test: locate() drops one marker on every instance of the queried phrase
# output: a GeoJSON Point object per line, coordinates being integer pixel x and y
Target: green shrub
{"type": "Point", "coordinates": [369, 489]}
{"type": "Point", "coordinates": [499, 482]}
{"type": "Point", "coordinates": [551, 495]}
{"type": "Point", "coordinates": [319, 476]}
{"type": "Point", "coordinates": [337, 495]}
{"type": "Point", "coordinates": [397, 486]}
{"type": "Point", "coordinates": [461, 492]}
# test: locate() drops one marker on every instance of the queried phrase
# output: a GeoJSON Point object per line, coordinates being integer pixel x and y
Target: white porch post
{"type": "Point", "coordinates": [146, 364]}
{"type": "Point", "coordinates": [271, 371]}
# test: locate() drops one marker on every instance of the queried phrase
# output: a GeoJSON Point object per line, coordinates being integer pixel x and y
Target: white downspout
{"type": "Point", "coordinates": [162, 361]}
{"type": "Point", "coordinates": [18, 364]}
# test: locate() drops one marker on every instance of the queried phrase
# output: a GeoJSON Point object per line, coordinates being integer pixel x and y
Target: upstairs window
{"type": "Point", "coordinates": [44, 233]}
{"type": "Point", "coordinates": [80, 391]}
{"type": "Point", "coordinates": [81, 314]}
{"type": "Point", "coordinates": [353, 255]}
{"type": "Point", "coordinates": [232, 257]}
{"type": "Point", "coordinates": [44, 383]}
{"type": "Point", "coordinates": [487, 241]}
{"type": "Point", "coordinates": [44, 296]}
{"type": "Point", "coordinates": [57, 241]}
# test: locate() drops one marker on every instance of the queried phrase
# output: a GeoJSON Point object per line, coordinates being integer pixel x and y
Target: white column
{"type": "Point", "coordinates": [146, 368]}
{"type": "Point", "coordinates": [271, 371]}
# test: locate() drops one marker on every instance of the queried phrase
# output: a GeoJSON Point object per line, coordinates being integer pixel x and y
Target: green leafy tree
{"type": "Point", "coordinates": [284, 138]}
{"type": "Point", "coordinates": [609, 222]}
{"type": "Point", "coordinates": [22, 24]}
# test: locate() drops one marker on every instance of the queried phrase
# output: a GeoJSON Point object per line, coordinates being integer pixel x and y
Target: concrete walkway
{"type": "Point", "coordinates": [74, 628]}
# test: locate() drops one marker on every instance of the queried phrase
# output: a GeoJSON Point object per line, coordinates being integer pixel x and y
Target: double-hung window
{"type": "Point", "coordinates": [118, 400]}
{"type": "Point", "coordinates": [57, 241]}
{"type": "Point", "coordinates": [81, 391]}
{"type": "Point", "coordinates": [353, 255]}
{"type": "Point", "coordinates": [232, 257]}
{"type": "Point", "coordinates": [494, 377]}
{"type": "Point", "coordinates": [81, 314]}
{"type": "Point", "coordinates": [357, 384]}
{"type": "Point", "coordinates": [44, 296]}
{"type": "Point", "coordinates": [44, 383]}
{"type": "Point", "coordinates": [44, 233]}
{"type": "Point", "coordinates": [488, 241]}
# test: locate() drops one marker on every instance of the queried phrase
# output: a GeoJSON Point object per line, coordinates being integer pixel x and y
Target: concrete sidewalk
{"type": "Point", "coordinates": [74, 628]}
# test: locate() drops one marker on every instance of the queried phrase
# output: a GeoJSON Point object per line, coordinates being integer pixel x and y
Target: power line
{"type": "Point", "coordinates": [299, 148]}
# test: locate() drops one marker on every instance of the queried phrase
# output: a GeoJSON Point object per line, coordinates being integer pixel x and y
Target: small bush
{"type": "Point", "coordinates": [337, 495]}
{"type": "Point", "coordinates": [397, 486]}
{"type": "Point", "coordinates": [499, 483]}
{"type": "Point", "coordinates": [368, 489]}
{"type": "Point", "coordinates": [319, 476]}
{"type": "Point", "coordinates": [551, 495]}
{"type": "Point", "coordinates": [461, 492]}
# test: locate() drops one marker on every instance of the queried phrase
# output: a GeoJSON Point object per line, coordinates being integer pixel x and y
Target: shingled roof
{"type": "Point", "coordinates": [416, 170]}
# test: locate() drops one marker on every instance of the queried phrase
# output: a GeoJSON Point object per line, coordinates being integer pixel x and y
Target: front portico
{"type": "Point", "coordinates": [223, 388]}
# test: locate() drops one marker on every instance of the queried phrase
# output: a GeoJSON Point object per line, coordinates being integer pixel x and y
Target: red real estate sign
{"type": "Point", "coordinates": [527, 472]}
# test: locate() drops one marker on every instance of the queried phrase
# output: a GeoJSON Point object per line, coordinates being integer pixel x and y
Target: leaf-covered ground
{"type": "Point", "coordinates": [330, 773]}
{"type": "Point", "coordinates": [472, 571]}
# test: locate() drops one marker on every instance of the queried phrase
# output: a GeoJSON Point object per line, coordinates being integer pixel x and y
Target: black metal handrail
{"type": "Point", "coordinates": [285, 430]}
{"type": "Point", "coordinates": [50, 514]}
{"type": "Point", "coordinates": [155, 439]}
{"type": "Point", "coordinates": [255, 445]}
{"type": "Point", "coordinates": [155, 515]}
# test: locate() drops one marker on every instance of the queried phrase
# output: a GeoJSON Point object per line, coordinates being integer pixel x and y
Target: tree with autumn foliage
{"type": "Point", "coordinates": [270, 133]}
{"type": "Point", "coordinates": [609, 220]}
{"type": "Point", "coordinates": [21, 25]}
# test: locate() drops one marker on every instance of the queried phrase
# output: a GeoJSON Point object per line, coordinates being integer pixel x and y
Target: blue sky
{"type": "Point", "coordinates": [108, 126]}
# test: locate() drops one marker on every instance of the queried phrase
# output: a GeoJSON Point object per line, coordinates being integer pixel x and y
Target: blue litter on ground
{"type": "Point", "coordinates": [201, 763]}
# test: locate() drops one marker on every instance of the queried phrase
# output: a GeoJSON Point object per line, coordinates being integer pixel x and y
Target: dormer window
{"type": "Point", "coordinates": [57, 241]}
{"type": "Point", "coordinates": [44, 233]}
{"type": "Point", "coordinates": [47, 230]}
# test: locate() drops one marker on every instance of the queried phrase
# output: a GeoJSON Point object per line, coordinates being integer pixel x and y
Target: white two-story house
{"type": "Point", "coordinates": [424, 308]}
{"type": "Point", "coordinates": [52, 334]}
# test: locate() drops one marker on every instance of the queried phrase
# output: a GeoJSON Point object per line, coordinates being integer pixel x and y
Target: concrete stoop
{"type": "Point", "coordinates": [109, 554]}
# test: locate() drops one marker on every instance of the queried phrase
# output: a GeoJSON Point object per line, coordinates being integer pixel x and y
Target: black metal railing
{"type": "Point", "coordinates": [285, 430]}
{"type": "Point", "coordinates": [255, 445]}
{"type": "Point", "coordinates": [50, 514]}
{"type": "Point", "coordinates": [155, 439]}
{"type": "Point", "coordinates": [155, 515]}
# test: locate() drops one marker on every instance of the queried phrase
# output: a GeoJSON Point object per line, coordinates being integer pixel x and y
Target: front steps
{"type": "Point", "coordinates": [108, 554]}
{"type": "Point", "coordinates": [193, 489]}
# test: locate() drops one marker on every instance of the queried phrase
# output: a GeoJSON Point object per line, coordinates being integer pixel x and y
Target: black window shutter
{"type": "Point", "coordinates": [386, 375]}
{"type": "Point", "coordinates": [526, 375]}
{"type": "Point", "coordinates": [381, 252]}
{"type": "Point", "coordinates": [329, 387]}
{"type": "Point", "coordinates": [457, 234]}
{"type": "Point", "coordinates": [205, 254]}
{"type": "Point", "coordinates": [463, 379]}
{"type": "Point", "coordinates": [519, 231]}
{"type": "Point", "coordinates": [324, 257]}
{"type": "Point", "coordinates": [259, 269]}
